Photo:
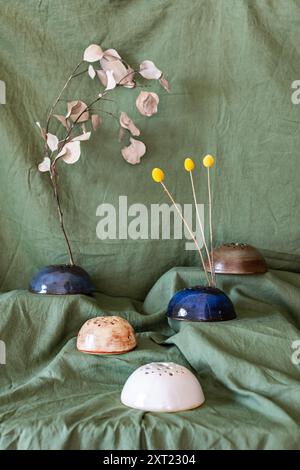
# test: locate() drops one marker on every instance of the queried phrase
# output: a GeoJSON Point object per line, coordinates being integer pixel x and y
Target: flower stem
{"type": "Point", "coordinates": [188, 229]}
{"type": "Point", "coordinates": [210, 226]}
{"type": "Point", "coordinates": [201, 227]}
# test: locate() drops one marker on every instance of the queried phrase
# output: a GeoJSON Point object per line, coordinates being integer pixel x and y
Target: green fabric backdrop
{"type": "Point", "coordinates": [230, 65]}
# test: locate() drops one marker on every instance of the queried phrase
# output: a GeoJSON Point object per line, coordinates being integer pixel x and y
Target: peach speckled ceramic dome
{"type": "Point", "coordinates": [106, 335]}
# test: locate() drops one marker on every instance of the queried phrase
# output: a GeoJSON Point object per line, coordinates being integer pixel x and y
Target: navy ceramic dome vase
{"type": "Point", "coordinates": [61, 279]}
{"type": "Point", "coordinates": [201, 304]}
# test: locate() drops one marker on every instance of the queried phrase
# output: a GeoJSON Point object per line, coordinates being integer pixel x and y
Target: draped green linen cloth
{"type": "Point", "coordinates": [54, 397]}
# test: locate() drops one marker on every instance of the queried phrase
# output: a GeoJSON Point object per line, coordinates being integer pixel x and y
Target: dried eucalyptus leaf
{"type": "Point", "coordinates": [134, 152]}
{"type": "Point", "coordinates": [45, 165]}
{"type": "Point", "coordinates": [93, 53]}
{"type": "Point", "coordinates": [149, 70]}
{"type": "Point", "coordinates": [96, 121]}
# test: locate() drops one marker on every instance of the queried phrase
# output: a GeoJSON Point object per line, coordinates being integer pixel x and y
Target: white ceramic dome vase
{"type": "Point", "coordinates": [162, 386]}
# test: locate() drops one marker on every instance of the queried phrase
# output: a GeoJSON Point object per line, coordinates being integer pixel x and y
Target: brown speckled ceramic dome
{"type": "Point", "coordinates": [106, 335]}
{"type": "Point", "coordinates": [238, 258]}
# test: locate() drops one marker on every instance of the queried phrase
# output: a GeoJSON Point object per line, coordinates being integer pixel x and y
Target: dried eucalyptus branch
{"type": "Point", "coordinates": [113, 72]}
{"type": "Point", "coordinates": [50, 114]}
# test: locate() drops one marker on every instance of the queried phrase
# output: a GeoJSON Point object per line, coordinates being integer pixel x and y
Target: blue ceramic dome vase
{"type": "Point", "coordinates": [62, 279]}
{"type": "Point", "coordinates": [207, 304]}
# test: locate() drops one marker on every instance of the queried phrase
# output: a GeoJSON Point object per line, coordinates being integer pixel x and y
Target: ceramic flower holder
{"type": "Point", "coordinates": [106, 335]}
{"type": "Point", "coordinates": [162, 387]}
{"type": "Point", "coordinates": [237, 258]}
{"type": "Point", "coordinates": [198, 303]}
{"type": "Point", "coordinates": [62, 280]}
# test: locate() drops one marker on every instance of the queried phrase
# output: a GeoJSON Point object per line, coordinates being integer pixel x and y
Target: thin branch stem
{"type": "Point", "coordinates": [53, 176]}
{"type": "Point", "coordinates": [79, 73]}
{"type": "Point", "coordinates": [53, 173]}
{"type": "Point", "coordinates": [108, 99]}
{"type": "Point", "coordinates": [133, 72]}
{"type": "Point", "coordinates": [201, 226]}
{"type": "Point", "coordinates": [110, 113]}
{"type": "Point", "coordinates": [210, 225]}
{"type": "Point", "coordinates": [188, 229]}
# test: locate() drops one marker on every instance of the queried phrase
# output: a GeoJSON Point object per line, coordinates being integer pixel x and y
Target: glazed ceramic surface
{"type": "Point", "coordinates": [238, 258]}
{"type": "Point", "coordinates": [201, 304]}
{"type": "Point", "coordinates": [162, 386]}
{"type": "Point", "coordinates": [106, 335]}
{"type": "Point", "coordinates": [61, 280]}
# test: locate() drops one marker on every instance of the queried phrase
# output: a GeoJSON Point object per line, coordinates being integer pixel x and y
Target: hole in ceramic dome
{"type": "Point", "coordinates": [170, 373]}
{"type": "Point", "coordinates": [146, 372]}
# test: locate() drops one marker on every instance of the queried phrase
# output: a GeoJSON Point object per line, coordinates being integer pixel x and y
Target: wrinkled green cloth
{"type": "Point", "coordinates": [230, 63]}
{"type": "Point", "coordinates": [54, 397]}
